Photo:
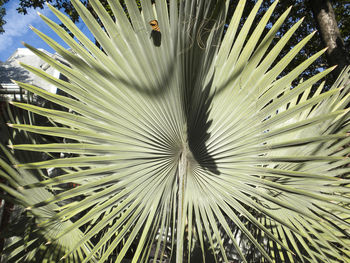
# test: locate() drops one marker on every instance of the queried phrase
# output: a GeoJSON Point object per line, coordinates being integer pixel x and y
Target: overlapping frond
{"type": "Point", "coordinates": [180, 140]}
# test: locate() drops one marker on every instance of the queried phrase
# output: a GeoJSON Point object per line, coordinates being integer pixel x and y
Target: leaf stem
{"type": "Point", "coordinates": [180, 210]}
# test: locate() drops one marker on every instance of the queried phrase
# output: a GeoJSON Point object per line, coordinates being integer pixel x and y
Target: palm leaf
{"type": "Point", "coordinates": [26, 241]}
{"type": "Point", "coordinates": [183, 139]}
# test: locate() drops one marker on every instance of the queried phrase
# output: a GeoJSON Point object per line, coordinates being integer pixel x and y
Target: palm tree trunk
{"type": "Point", "coordinates": [327, 25]}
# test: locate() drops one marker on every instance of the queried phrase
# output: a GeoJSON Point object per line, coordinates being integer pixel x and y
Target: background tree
{"type": "Point", "coordinates": [2, 14]}
{"type": "Point", "coordinates": [64, 5]}
{"type": "Point", "coordinates": [302, 9]}
{"type": "Point", "coordinates": [331, 18]}
{"type": "Point", "coordinates": [329, 32]}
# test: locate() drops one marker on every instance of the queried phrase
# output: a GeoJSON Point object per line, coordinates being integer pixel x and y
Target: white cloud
{"type": "Point", "coordinates": [18, 24]}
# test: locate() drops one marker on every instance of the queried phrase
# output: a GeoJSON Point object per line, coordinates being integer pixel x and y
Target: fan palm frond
{"type": "Point", "coordinates": [177, 137]}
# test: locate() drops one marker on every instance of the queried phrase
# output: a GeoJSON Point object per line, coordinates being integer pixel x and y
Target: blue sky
{"type": "Point", "coordinates": [17, 30]}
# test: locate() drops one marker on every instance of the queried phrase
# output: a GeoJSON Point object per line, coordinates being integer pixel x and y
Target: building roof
{"type": "Point", "coordinates": [12, 70]}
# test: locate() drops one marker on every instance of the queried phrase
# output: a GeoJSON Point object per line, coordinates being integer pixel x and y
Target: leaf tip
{"type": "Point", "coordinates": [334, 67]}
{"type": "Point", "coordinates": [10, 124]}
{"type": "Point", "coordinates": [29, 208]}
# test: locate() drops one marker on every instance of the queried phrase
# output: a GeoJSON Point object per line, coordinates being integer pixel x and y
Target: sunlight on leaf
{"type": "Point", "coordinates": [189, 148]}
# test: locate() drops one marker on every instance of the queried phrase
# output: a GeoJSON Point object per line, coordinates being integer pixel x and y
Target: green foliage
{"type": "Point", "coordinates": [300, 10]}
{"type": "Point", "coordinates": [198, 143]}
{"type": "Point", "coordinates": [60, 4]}
{"type": "Point", "coordinates": [342, 12]}
{"type": "Point", "coordinates": [2, 14]}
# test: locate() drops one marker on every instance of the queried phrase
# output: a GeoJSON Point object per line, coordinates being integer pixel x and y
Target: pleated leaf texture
{"type": "Point", "coordinates": [183, 138]}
